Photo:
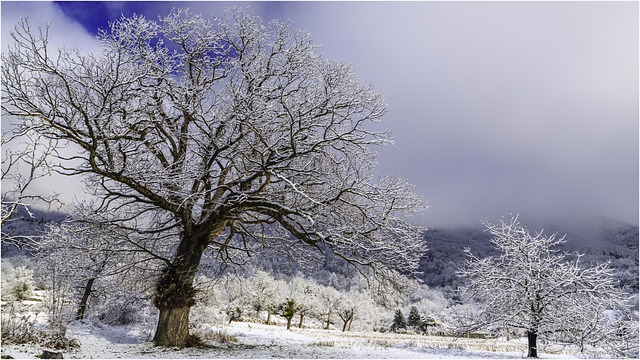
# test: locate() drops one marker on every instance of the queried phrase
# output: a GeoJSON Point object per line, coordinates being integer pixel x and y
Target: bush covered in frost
{"type": "Point", "coordinates": [17, 282]}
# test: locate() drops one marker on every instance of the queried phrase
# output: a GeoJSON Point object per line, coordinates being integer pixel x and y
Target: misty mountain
{"type": "Point", "coordinates": [599, 241]}
{"type": "Point", "coordinates": [27, 224]}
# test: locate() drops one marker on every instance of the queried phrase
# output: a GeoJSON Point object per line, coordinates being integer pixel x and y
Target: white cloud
{"type": "Point", "coordinates": [63, 31]}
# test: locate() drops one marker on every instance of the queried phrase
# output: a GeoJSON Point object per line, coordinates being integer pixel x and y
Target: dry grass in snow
{"type": "Point", "coordinates": [251, 340]}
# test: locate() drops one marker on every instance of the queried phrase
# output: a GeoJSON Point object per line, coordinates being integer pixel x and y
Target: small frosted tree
{"type": "Point", "coordinates": [399, 322]}
{"type": "Point", "coordinates": [305, 291]}
{"type": "Point", "coordinates": [414, 319]}
{"type": "Point", "coordinates": [347, 309]}
{"type": "Point", "coordinates": [235, 295]}
{"type": "Point", "coordinates": [532, 288]}
{"type": "Point", "coordinates": [329, 299]}
{"type": "Point", "coordinates": [288, 309]}
{"type": "Point", "coordinates": [87, 256]}
{"type": "Point", "coordinates": [17, 282]}
{"type": "Point", "coordinates": [426, 322]}
{"type": "Point", "coordinates": [263, 291]}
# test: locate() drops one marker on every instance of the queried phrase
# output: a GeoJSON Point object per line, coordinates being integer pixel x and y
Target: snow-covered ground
{"type": "Point", "coordinates": [254, 340]}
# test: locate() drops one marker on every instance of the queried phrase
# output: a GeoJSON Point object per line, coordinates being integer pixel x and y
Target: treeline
{"type": "Point", "coordinates": [609, 241]}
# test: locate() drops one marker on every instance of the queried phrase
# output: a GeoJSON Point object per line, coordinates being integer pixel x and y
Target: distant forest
{"type": "Point", "coordinates": [608, 241]}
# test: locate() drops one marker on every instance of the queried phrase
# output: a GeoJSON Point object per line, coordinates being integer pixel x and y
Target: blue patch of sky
{"type": "Point", "coordinates": [96, 15]}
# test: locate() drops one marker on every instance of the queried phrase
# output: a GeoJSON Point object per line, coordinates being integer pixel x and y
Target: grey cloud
{"type": "Point", "coordinates": [63, 31]}
{"type": "Point", "coordinates": [502, 106]}
{"type": "Point", "coordinates": [496, 107]}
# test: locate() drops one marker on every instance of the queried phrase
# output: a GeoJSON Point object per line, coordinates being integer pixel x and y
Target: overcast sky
{"type": "Point", "coordinates": [495, 107]}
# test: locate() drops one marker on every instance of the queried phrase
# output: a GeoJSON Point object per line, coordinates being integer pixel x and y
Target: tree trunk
{"type": "Point", "coordinates": [532, 338]}
{"type": "Point", "coordinates": [346, 317]}
{"type": "Point", "coordinates": [85, 298]}
{"type": "Point", "coordinates": [174, 299]}
{"type": "Point", "coordinates": [328, 321]}
{"type": "Point", "coordinates": [175, 294]}
{"type": "Point", "coordinates": [234, 314]}
{"type": "Point", "coordinates": [289, 323]}
{"type": "Point", "coordinates": [173, 327]}
{"type": "Point", "coordinates": [301, 320]}
{"type": "Point", "coordinates": [268, 316]}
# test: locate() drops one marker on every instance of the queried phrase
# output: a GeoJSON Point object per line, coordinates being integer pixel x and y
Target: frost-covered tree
{"type": "Point", "coordinates": [399, 322]}
{"type": "Point", "coordinates": [206, 133]}
{"type": "Point", "coordinates": [346, 314]}
{"type": "Point", "coordinates": [432, 302]}
{"type": "Point", "coordinates": [532, 289]}
{"type": "Point", "coordinates": [234, 293]}
{"type": "Point", "coordinates": [426, 322]}
{"type": "Point", "coordinates": [263, 290]}
{"type": "Point", "coordinates": [88, 255]}
{"type": "Point", "coordinates": [347, 310]}
{"type": "Point", "coordinates": [17, 282]}
{"type": "Point", "coordinates": [306, 292]}
{"type": "Point", "coordinates": [358, 304]}
{"type": "Point", "coordinates": [288, 309]}
{"type": "Point", "coordinates": [414, 319]}
{"type": "Point", "coordinates": [328, 300]}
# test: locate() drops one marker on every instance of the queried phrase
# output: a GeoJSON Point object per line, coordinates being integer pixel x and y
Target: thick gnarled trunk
{"type": "Point", "coordinates": [174, 298]}
{"type": "Point", "coordinates": [173, 327]}
{"type": "Point", "coordinates": [175, 294]}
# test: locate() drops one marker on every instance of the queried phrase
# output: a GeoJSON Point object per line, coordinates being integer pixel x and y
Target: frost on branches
{"type": "Point", "coordinates": [216, 135]}
{"type": "Point", "coordinates": [533, 289]}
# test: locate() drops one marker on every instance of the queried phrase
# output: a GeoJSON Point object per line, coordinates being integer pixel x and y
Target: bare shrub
{"type": "Point", "coordinates": [121, 310]}
{"type": "Point", "coordinates": [17, 282]}
{"type": "Point", "coordinates": [57, 341]}
{"type": "Point", "coordinates": [217, 335]}
{"type": "Point", "coordinates": [18, 326]}
{"type": "Point", "coordinates": [324, 343]}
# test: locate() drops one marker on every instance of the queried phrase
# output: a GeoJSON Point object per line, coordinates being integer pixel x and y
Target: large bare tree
{"type": "Point", "coordinates": [209, 133]}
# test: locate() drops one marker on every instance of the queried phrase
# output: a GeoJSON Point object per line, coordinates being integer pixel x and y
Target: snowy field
{"type": "Point", "coordinates": [251, 340]}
